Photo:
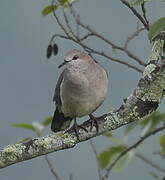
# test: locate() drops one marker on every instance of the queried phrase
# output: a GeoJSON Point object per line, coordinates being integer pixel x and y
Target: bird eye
{"type": "Point", "coordinates": [75, 57]}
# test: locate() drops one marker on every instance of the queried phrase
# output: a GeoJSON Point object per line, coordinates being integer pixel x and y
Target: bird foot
{"type": "Point", "coordinates": [76, 129]}
{"type": "Point", "coordinates": [94, 122]}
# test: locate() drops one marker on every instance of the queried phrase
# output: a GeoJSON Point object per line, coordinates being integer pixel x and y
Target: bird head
{"type": "Point", "coordinates": [75, 57]}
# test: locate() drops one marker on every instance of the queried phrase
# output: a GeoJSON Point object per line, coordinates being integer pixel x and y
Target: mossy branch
{"type": "Point", "coordinates": [144, 100]}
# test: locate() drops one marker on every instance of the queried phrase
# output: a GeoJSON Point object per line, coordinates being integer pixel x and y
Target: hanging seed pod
{"type": "Point", "coordinates": [49, 51]}
{"type": "Point", "coordinates": [55, 49]}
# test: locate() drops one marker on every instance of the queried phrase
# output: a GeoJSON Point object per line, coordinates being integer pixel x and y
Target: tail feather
{"type": "Point", "coordinates": [60, 122]}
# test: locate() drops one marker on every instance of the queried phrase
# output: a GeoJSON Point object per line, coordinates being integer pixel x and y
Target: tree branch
{"type": "Point", "coordinates": [136, 14]}
{"type": "Point", "coordinates": [130, 38]}
{"type": "Point", "coordinates": [143, 101]}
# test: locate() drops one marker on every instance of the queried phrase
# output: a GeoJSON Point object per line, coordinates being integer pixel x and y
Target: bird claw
{"type": "Point", "coordinates": [94, 122]}
{"type": "Point", "coordinates": [76, 129]}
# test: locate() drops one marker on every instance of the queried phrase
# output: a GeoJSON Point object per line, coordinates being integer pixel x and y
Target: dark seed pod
{"type": "Point", "coordinates": [49, 51]}
{"type": "Point", "coordinates": [55, 49]}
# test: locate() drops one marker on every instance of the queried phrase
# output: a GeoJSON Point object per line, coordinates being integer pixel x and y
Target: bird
{"type": "Point", "coordinates": [80, 90]}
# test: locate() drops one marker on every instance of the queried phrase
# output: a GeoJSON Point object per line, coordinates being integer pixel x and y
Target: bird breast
{"type": "Point", "coordinates": [82, 92]}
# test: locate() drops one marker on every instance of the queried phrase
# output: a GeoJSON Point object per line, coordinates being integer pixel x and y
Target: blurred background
{"type": "Point", "coordinates": [28, 79]}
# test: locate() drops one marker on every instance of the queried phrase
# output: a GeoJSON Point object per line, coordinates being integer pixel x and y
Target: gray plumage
{"type": "Point", "coordinates": [80, 90]}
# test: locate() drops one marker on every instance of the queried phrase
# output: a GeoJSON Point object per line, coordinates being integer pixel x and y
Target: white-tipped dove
{"type": "Point", "coordinates": [80, 90]}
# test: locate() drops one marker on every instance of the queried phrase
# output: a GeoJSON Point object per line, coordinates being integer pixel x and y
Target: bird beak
{"type": "Point", "coordinates": [62, 64]}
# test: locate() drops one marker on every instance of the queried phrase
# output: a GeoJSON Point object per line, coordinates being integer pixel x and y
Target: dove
{"type": "Point", "coordinates": [81, 88]}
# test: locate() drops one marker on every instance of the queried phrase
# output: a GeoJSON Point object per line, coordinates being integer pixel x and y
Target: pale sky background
{"type": "Point", "coordinates": [28, 79]}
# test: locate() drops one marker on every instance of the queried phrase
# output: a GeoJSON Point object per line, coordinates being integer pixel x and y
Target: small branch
{"type": "Point", "coordinates": [132, 147]}
{"type": "Point", "coordinates": [74, 38]}
{"type": "Point", "coordinates": [115, 60]}
{"type": "Point", "coordinates": [52, 169]}
{"type": "Point", "coordinates": [57, 35]}
{"type": "Point", "coordinates": [58, 21]}
{"type": "Point", "coordinates": [136, 14]}
{"type": "Point", "coordinates": [97, 52]}
{"type": "Point", "coordinates": [68, 26]}
{"type": "Point", "coordinates": [86, 36]}
{"type": "Point", "coordinates": [130, 38]}
{"type": "Point", "coordinates": [149, 162]}
{"type": "Point", "coordinates": [96, 156]}
{"type": "Point", "coordinates": [70, 176]}
{"type": "Point", "coordinates": [113, 45]}
{"type": "Point", "coordinates": [144, 14]}
{"type": "Point", "coordinates": [160, 154]}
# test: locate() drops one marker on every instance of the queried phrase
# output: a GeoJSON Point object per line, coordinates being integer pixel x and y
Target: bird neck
{"type": "Point", "coordinates": [79, 66]}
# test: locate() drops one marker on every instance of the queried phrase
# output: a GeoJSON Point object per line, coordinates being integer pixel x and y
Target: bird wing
{"type": "Point", "coordinates": [56, 97]}
{"type": "Point", "coordinates": [59, 121]}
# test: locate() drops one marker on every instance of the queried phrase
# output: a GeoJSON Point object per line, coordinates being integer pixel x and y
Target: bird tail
{"type": "Point", "coordinates": [60, 122]}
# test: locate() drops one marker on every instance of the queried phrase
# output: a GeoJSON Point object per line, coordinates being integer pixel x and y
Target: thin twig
{"type": "Point", "coordinates": [136, 14]}
{"type": "Point", "coordinates": [68, 25]}
{"type": "Point", "coordinates": [116, 60]}
{"type": "Point", "coordinates": [160, 154]}
{"type": "Point", "coordinates": [144, 14]}
{"type": "Point", "coordinates": [70, 176]}
{"type": "Point", "coordinates": [132, 147]}
{"type": "Point", "coordinates": [151, 163]}
{"type": "Point", "coordinates": [57, 35]}
{"type": "Point", "coordinates": [113, 45]}
{"type": "Point", "coordinates": [99, 52]}
{"type": "Point", "coordinates": [58, 21]}
{"type": "Point", "coordinates": [86, 36]}
{"type": "Point", "coordinates": [52, 169]}
{"type": "Point", "coordinates": [96, 156]}
{"type": "Point", "coordinates": [85, 47]}
{"type": "Point", "coordinates": [130, 38]}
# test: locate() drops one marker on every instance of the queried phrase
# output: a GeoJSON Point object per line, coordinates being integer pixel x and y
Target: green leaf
{"type": "Point", "coordinates": [156, 28]}
{"type": "Point", "coordinates": [124, 162]}
{"type": "Point", "coordinates": [136, 2]}
{"type": "Point", "coordinates": [49, 9]}
{"type": "Point", "coordinates": [109, 155]}
{"type": "Point", "coordinates": [47, 121]}
{"type": "Point", "coordinates": [162, 143]}
{"type": "Point", "coordinates": [61, 3]}
{"type": "Point", "coordinates": [24, 126]}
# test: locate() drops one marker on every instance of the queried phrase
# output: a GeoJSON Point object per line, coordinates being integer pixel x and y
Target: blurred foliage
{"type": "Point", "coordinates": [24, 126]}
{"type": "Point", "coordinates": [147, 124]}
{"type": "Point", "coordinates": [47, 121]}
{"type": "Point", "coordinates": [36, 127]}
{"type": "Point", "coordinates": [119, 145]}
{"type": "Point", "coordinates": [137, 2]}
{"type": "Point", "coordinates": [109, 155]}
{"type": "Point", "coordinates": [156, 28]}
{"type": "Point", "coordinates": [60, 3]}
